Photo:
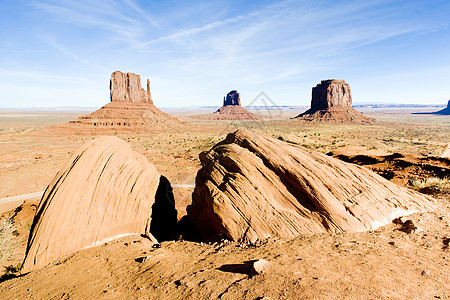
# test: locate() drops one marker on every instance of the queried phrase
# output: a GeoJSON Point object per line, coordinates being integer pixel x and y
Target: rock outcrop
{"type": "Point", "coordinates": [104, 191]}
{"type": "Point", "coordinates": [126, 87]}
{"type": "Point", "coordinates": [232, 98]}
{"type": "Point", "coordinates": [251, 187]}
{"type": "Point", "coordinates": [445, 111]}
{"type": "Point", "coordinates": [331, 93]}
{"type": "Point", "coordinates": [131, 107]}
{"type": "Point", "coordinates": [231, 110]}
{"type": "Point", "coordinates": [332, 102]}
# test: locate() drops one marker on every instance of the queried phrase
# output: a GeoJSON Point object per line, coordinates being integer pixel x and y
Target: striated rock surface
{"type": "Point", "coordinates": [131, 107]}
{"type": "Point", "coordinates": [332, 102]}
{"type": "Point", "coordinates": [104, 191]}
{"type": "Point", "coordinates": [126, 87]}
{"type": "Point", "coordinates": [232, 98]}
{"type": "Point", "coordinates": [251, 187]}
{"type": "Point", "coordinates": [445, 111]}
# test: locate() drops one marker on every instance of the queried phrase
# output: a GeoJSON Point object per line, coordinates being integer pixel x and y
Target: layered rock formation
{"type": "Point", "coordinates": [445, 111]}
{"type": "Point", "coordinates": [126, 87]}
{"type": "Point", "coordinates": [104, 191]}
{"type": "Point", "coordinates": [231, 110]}
{"type": "Point", "coordinates": [131, 106]}
{"type": "Point", "coordinates": [332, 102]}
{"type": "Point", "coordinates": [251, 187]}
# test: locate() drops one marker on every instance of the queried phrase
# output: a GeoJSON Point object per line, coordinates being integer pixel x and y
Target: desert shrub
{"type": "Point", "coordinates": [11, 272]}
{"type": "Point", "coordinates": [8, 242]}
{"type": "Point", "coordinates": [432, 184]}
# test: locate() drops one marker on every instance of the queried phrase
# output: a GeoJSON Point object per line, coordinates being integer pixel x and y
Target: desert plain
{"type": "Point", "coordinates": [391, 262]}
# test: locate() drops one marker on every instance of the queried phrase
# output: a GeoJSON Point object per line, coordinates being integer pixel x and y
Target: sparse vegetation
{"type": "Point", "coordinates": [430, 185]}
{"type": "Point", "coordinates": [8, 241]}
{"type": "Point", "coordinates": [11, 272]}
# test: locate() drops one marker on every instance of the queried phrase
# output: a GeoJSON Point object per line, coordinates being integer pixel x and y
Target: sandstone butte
{"type": "Point", "coordinates": [130, 106]}
{"type": "Point", "coordinates": [445, 111]}
{"type": "Point", "coordinates": [231, 110]}
{"type": "Point", "coordinates": [251, 187]}
{"type": "Point", "coordinates": [104, 191]}
{"type": "Point", "coordinates": [331, 101]}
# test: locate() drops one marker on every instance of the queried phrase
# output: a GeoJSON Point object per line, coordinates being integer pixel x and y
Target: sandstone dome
{"type": "Point", "coordinates": [104, 191]}
{"type": "Point", "coordinates": [252, 187]}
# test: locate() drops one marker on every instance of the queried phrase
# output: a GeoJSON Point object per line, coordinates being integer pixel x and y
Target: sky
{"type": "Point", "coordinates": [57, 53]}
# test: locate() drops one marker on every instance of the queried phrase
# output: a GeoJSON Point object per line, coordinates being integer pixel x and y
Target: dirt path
{"type": "Point", "coordinates": [9, 203]}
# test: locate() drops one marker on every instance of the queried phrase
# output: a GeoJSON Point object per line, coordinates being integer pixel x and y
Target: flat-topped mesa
{"type": "Point", "coordinates": [233, 98]}
{"type": "Point", "coordinates": [332, 102]}
{"type": "Point", "coordinates": [126, 87]}
{"type": "Point", "coordinates": [331, 92]}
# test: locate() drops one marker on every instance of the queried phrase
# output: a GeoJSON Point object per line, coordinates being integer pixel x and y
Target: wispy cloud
{"type": "Point", "coordinates": [215, 45]}
{"type": "Point", "coordinates": [40, 76]}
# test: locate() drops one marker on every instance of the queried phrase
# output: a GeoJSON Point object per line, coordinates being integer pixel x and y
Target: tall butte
{"type": "Point", "coordinates": [332, 102]}
{"type": "Point", "coordinates": [130, 106]}
{"type": "Point", "coordinates": [232, 109]}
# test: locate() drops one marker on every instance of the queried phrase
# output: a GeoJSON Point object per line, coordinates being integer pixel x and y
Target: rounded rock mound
{"type": "Point", "coordinates": [251, 187]}
{"type": "Point", "coordinates": [104, 191]}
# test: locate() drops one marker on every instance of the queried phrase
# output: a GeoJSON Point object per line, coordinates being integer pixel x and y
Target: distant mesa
{"type": "Point", "coordinates": [445, 111]}
{"type": "Point", "coordinates": [131, 106]}
{"type": "Point", "coordinates": [252, 187]}
{"type": "Point", "coordinates": [232, 98]}
{"type": "Point", "coordinates": [126, 87]}
{"type": "Point", "coordinates": [104, 191]}
{"type": "Point", "coordinates": [231, 110]}
{"type": "Point", "coordinates": [332, 102]}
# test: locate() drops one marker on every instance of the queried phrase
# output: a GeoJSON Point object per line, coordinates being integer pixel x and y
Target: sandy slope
{"type": "Point", "coordinates": [386, 263]}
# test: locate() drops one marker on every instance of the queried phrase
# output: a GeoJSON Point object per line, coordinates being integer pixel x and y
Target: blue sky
{"type": "Point", "coordinates": [62, 53]}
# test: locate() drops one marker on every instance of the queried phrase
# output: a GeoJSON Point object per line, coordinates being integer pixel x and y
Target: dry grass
{"type": "Point", "coordinates": [8, 240]}
{"type": "Point", "coordinates": [432, 184]}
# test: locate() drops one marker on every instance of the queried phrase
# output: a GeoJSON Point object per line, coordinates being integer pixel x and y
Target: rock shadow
{"type": "Point", "coordinates": [163, 224]}
{"type": "Point", "coordinates": [243, 268]}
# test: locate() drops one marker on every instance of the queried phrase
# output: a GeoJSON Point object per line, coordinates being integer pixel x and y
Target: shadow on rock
{"type": "Point", "coordinates": [164, 215]}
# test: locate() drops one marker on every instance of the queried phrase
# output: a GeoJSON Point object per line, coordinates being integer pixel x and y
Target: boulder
{"type": "Point", "coordinates": [252, 187]}
{"type": "Point", "coordinates": [332, 102]}
{"type": "Point", "coordinates": [104, 191]}
{"type": "Point", "coordinates": [126, 87]}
